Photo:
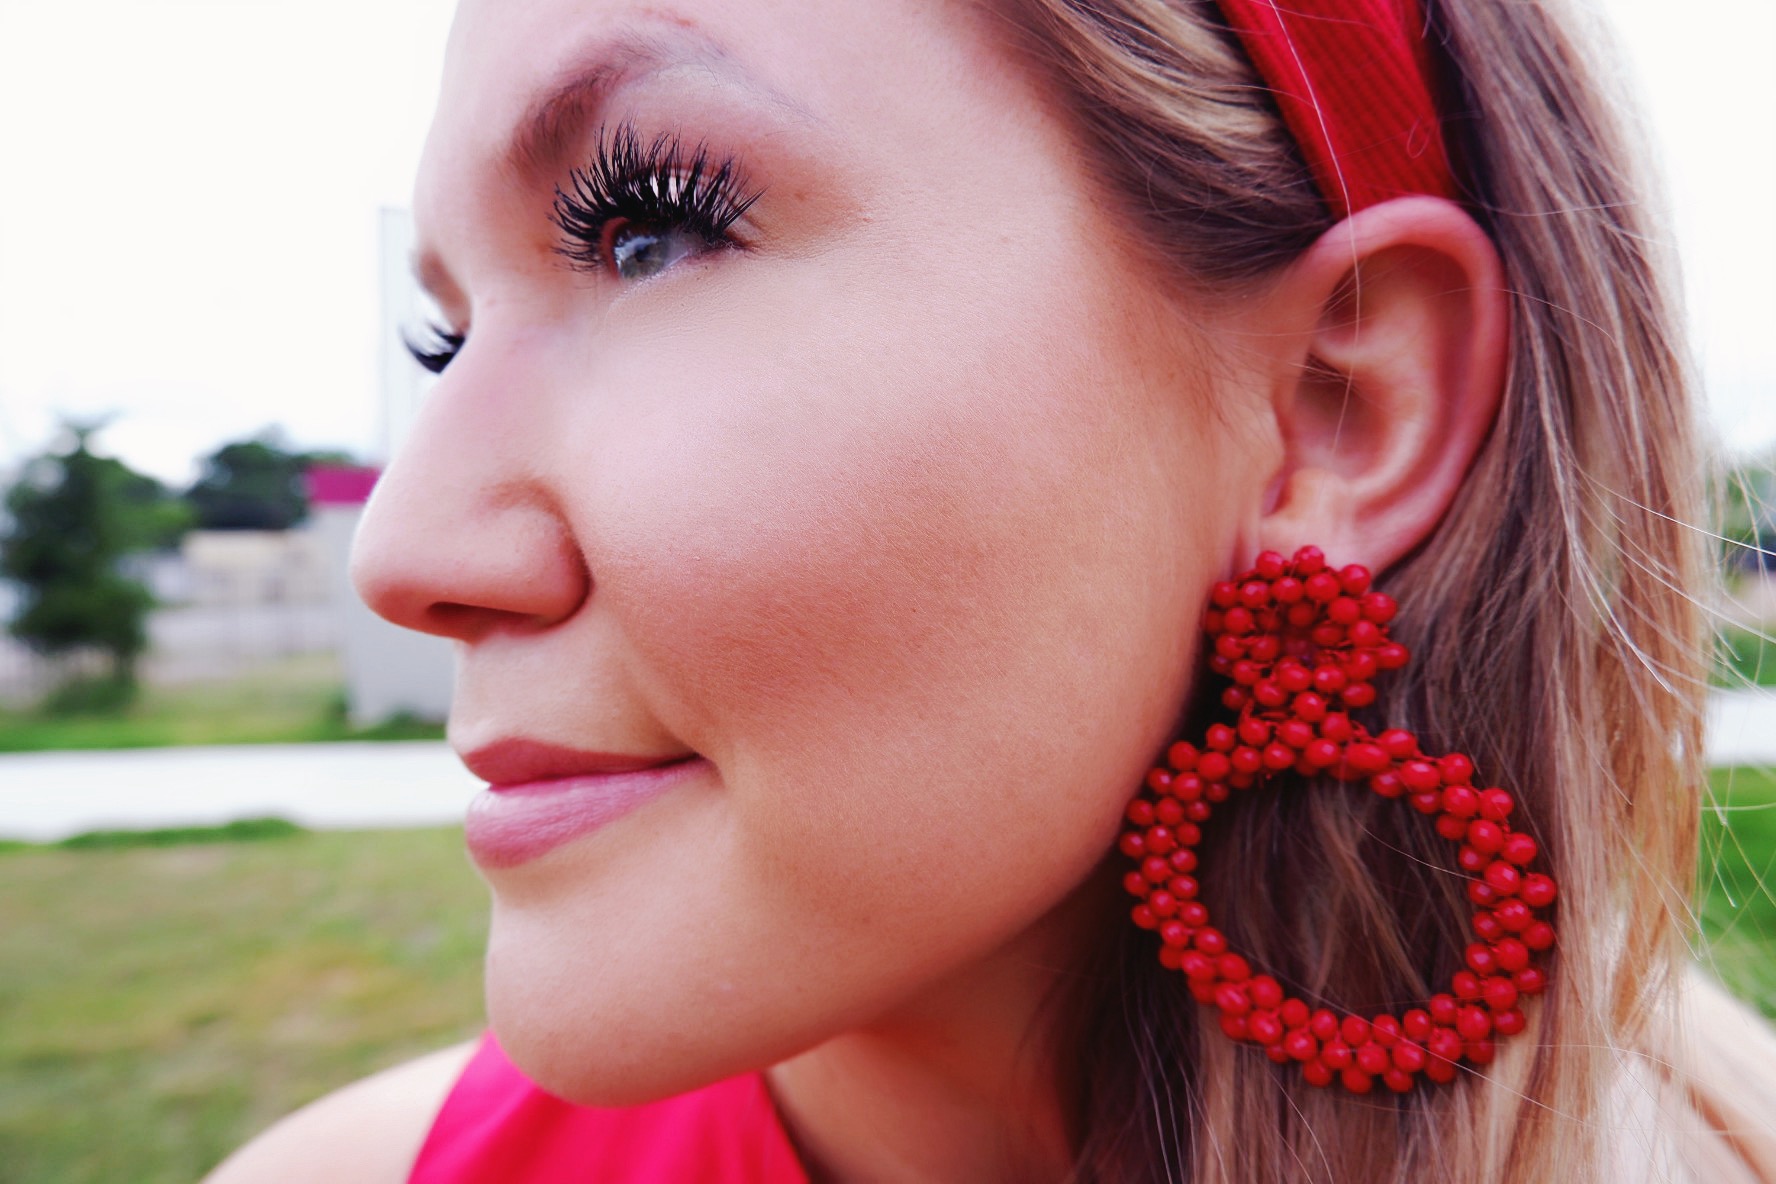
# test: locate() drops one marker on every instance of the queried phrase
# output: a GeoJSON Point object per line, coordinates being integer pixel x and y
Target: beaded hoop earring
{"type": "Point", "coordinates": [1302, 644]}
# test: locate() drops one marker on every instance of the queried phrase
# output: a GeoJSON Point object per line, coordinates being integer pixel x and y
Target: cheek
{"type": "Point", "coordinates": [907, 587]}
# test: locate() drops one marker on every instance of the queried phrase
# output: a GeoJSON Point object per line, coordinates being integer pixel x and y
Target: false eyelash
{"type": "Point", "coordinates": [438, 348]}
{"type": "Point", "coordinates": [651, 183]}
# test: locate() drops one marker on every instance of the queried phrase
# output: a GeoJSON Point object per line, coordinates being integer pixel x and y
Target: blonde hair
{"type": "Point", "coordinates": [1552, 615]}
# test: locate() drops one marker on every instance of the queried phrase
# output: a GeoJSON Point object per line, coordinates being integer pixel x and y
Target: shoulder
{"type": "Point", "coordinates": [1704, 1095]}
{"type": "Point", "coordinates": [367, 1133]}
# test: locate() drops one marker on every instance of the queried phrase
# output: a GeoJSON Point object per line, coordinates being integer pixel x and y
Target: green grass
{"type": "Point", "coordinates": [158, 1005]}
{"type": "Point", "coordinates": [1738, 883]}
{"type": "Point", "coordinates": [295, 700]}
{"type": "Point", "coordinates": [1744, 658]}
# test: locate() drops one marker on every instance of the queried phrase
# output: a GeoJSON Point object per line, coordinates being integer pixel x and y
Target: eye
{"type": "Point", "coordinates": [638, 209]}
{"type": "Point", "coordinates": [638, 250]}
{"type": "Point", "coordinates": [437, 349]}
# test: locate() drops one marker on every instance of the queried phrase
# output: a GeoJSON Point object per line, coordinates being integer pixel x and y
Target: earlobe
{"type": "Point", "coordinates": [1390, 336]}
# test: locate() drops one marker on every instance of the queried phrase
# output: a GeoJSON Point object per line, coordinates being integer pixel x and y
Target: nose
{"type": "Point", "coordinates": [461, 536]}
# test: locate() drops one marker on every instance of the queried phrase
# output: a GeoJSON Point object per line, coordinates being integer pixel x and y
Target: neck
{"type": "Point", "coordinates": [962, 1083]}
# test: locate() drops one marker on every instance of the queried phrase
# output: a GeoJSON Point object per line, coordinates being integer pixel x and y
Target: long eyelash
{"type": "Point", "coordinates": [652, 183]}
{"type": "Point", "coordinates": [438, 348]}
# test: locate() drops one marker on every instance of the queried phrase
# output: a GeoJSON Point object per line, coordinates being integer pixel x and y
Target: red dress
{"type": "Point", "coordinates": [496, 1127]}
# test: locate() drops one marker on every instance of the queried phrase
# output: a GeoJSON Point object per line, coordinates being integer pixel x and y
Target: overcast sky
{"type": "Point", "coordinates": [189, 194]}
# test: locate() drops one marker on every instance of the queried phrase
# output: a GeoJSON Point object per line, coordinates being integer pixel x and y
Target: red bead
{"type": "Point", "coordinates": [1504, 877]}
{"type": "Point", "coordinates": [1495, 804]}
{"type": "Point", "coordinates": [1480, 959]}
{"type": "Point", "coordinates": [1420, 776]}
{"type": "Point", "coordinates": [1398, 743]}
{"type": "Point", "coordinates": [1293, 1013]}
{"type": "Point", "coordinates": [1452, 828]}
{"type": "Point", "coordinates": [1513, 915]}
{"type": "Point", "coordinates": [1277, 757]}
{"type": "Point", "coordinates": [1336, 1054]}
{"type": "Point", "coordinates": [1132, 845]}
{"type": "Point", "coordinates": [1140, 813]}
{"type": "Point", "coordinates": [1309, 561]}
{"type": "Point", "coordinates": [1156, 869]}
{"type": "Point", "coordinates": [1354, 1029]}
{"type": "Point", "coordinates": [1297, 734]}
{"type": "Point", "coordinates": [1173, 933]}
{"type": "Point", "coordinates": [1232, 968]}
{"type": "Point", "coordinates": [1444, 1009]}
{"type": "Point", "coordinates": [1211, 941]}
{"type": "Point", "coordinates": [1379, 607]}
{"type": "Point", "coordinates": [1391, 655]}
{"type": "Point", "coordinates": [1224, 594]}
{"type": "Point", "coordinates": [1485, 837]}
{"type": "Point", "coordinates": [1288, 590]}
{"type": "Point", "coordinates": [1323, 1024]}
{"type": "Point", "coordinates": [1487, 927]}
{"type": "Point", "coordinates": [1143, 917]}
{"type": "Point", "coordinates": [1169, 812]}
{"type": "Point", "coordinates": [1512, 954]}
{"type": "Point", "coordinates": [1193, 913]}
{"type": "Point", "coordinates": [1295, 678]}
{"type": "Point", "coordinates": [1470, 860]}
{"type": "Point", "coordinates": [1365, 759]}
{"type": "Point", "coordinates": [1182, 888]}
{"type": "Point", "coordinates": [1440, 1071]}
{"type": "Point", "coordinates": [1409, 1056]}
{"type": "Point", "coordinates": [1537, 891]}
{"type": "Point", "coordinates": [1321, 587]}
{"type": "Point", "coordinates": [1461, 801]}
{"type": "Point", "coordinates": [1519, 848]}
{"type": "Point", "coordinates": [1444, 1044]}
{"type": "Point", "coordinates": [1197, 965]}
{"type": "Point", "coordinates": [1337, 728]}
{"type": "Point", "coordinates": [1531, 980]}
{"type": "Point", "coordinates": [1301, 1045]}
{"type": "Point", "coordinates": [1387, 784]}
{"type": "Point", "coordinates": [1500, 995]}
{"type": "Point", "coordinates": [1509, 1023]}
{"type": "Point", "coordinates": [1474, 1023]}
{"type": "Point", "coordinates": [1355, 579]}
{"type": "Point", "coordinates": [1163, 904]}
{"type": "Point", "coordinates": [1455, 769]}
{"type": "Point", "coordinates": [1466, 985]}
{"type": "Point", "coordinates": [1254, 594]}
{"type": "Point", "coordinates": [1344, 611]}
{"type": "Point", "coordinates": [1539, 936]}
{"type": "Point", "coordinates": [1316, 1074]}
{"type": "Point", "coordinates": [1416, 1024]}
{"type": "Point", "coordinates": [1266, 992]}
{"type": "Point", "coordinates": [1356, 1081]}
{"type": "Point", "coordinates": [1397, 1080]}
{"type": "Point", "coordinates": [1269, 565]}
{"type": "Point", "coordinates": [1182, 756]}
{"type": "Point", "coordinates": [1232, 1000]}
{"type": "Point", "coordinates": [1235, 1027]}
{"type": "Point", "coordinates": [1479, 1052]}
{"type": "Point", "coordinates": [1214, 767]}
{"type": "Point", "coordinates": [1135, 883]}
{"type": "Point", "coordinates": [1264, 1027]}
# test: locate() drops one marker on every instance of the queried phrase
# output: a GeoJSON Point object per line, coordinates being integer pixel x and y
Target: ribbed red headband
{"type": "Point", "coordinates": [1353, 80]}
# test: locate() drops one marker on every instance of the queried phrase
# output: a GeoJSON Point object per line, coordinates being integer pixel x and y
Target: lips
{"type": "Point", "coordinates": [540, 796]}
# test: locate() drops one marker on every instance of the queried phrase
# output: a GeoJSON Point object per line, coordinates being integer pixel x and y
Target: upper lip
{"type": "Point", "coordinates": [517, 760]}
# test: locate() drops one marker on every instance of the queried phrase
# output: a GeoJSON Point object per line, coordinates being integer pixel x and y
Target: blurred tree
{"type": "Point", "coordinates": [74, 517]}
{"type": "Point", "coordinates": [1746, 511]}
{"type": "Point", "coordinates": [252, 484]}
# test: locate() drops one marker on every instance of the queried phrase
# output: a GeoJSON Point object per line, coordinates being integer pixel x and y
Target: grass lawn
{"type": "Point", "coordinates": [289, 701]}
{"type": "Point", "coordinates": [1744, 659]}
{"type": "Point", "coordinates": [1738, 898]}
{"type": "Point", "coordinates": [159, 1004]}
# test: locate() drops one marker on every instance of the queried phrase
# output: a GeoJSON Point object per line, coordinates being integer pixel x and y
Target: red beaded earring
{"type": "Point", "coordinates": [1302, 644]}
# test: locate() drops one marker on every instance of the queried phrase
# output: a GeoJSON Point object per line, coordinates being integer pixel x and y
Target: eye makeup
{"type": "Point", "coordinates": [652, 190]}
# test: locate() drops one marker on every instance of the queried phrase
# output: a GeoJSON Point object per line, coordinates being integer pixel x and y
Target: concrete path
{"type": "Point", "coordinates": [51, 795]}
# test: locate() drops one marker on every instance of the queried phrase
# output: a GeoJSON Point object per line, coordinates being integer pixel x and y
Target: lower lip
{"type": "Point", "coordinates": [512, 824]}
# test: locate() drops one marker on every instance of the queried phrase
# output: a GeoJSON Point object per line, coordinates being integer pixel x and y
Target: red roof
{"type": "Point", "coordinates": [340, 485]}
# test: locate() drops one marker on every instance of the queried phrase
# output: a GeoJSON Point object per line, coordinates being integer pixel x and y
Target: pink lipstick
{"type": "Point", "coordinates": [540, 796]}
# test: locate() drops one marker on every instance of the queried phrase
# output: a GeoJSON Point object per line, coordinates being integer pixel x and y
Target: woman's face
{"type": "Point", "coordinates": [893, 501]}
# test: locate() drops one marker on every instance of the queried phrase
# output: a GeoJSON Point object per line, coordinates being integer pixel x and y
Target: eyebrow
{"type": "Point", "coordinates": [556, 117]}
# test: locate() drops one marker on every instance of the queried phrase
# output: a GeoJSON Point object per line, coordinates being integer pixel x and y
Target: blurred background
{"type": "Point", "coordinates": [230, 867]}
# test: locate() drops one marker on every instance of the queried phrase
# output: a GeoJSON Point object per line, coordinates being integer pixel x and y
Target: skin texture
{"type": "Point", "coordinates": [899, 514]}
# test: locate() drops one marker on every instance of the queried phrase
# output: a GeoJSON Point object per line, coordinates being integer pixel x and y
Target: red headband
{"type": "Point", "coordinates": [1353, 81]}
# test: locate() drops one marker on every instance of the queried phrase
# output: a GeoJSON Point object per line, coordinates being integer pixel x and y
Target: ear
{"type": "Point", "coordinates": [1385, 368]}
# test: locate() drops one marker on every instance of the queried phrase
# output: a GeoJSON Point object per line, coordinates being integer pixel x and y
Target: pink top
{"type": "Point", "coordinates": [498, 1126]}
